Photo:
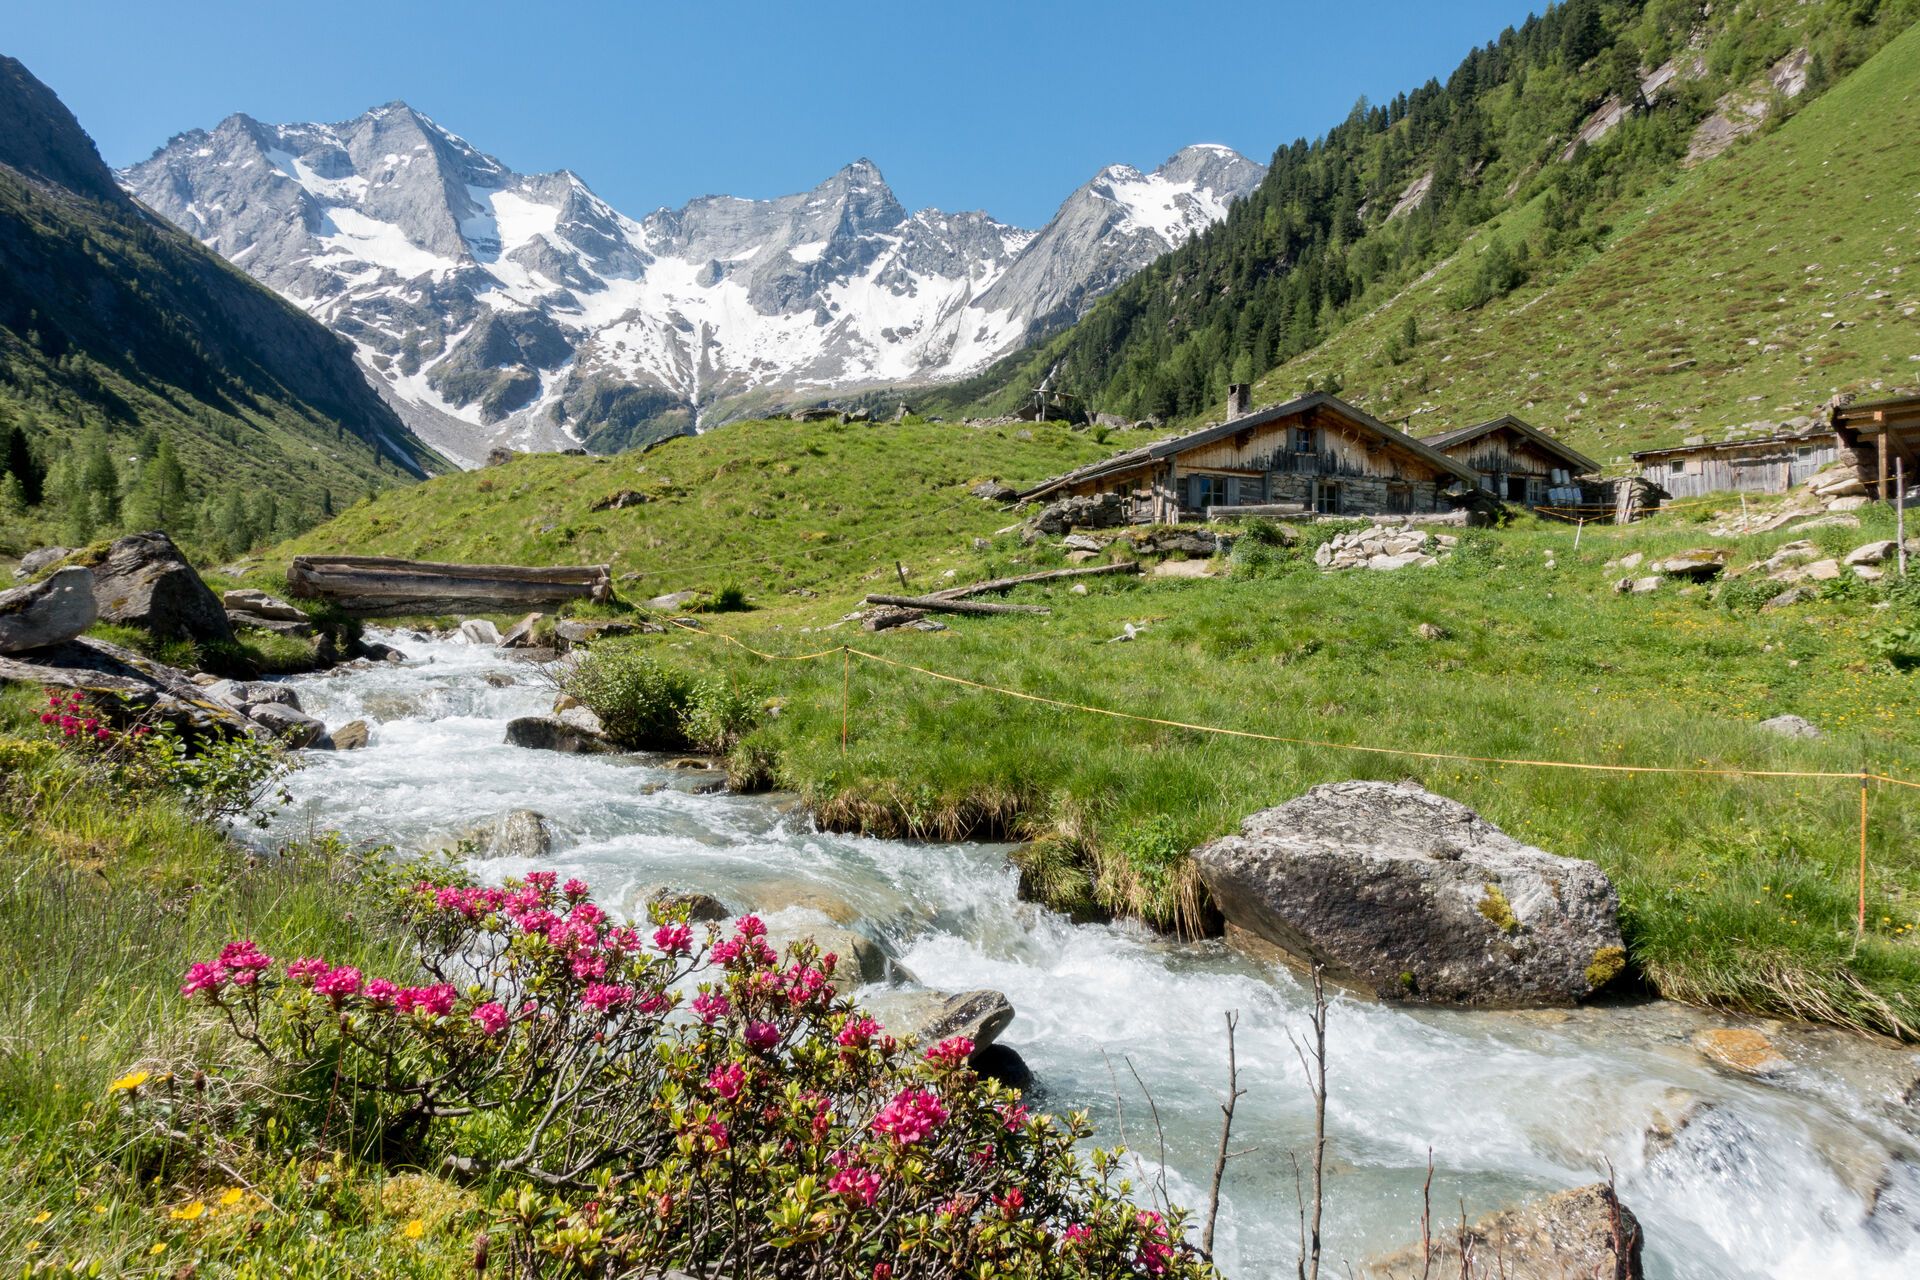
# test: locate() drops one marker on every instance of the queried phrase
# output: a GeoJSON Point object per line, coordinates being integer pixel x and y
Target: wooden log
{"type": "Point", "coordinates": [1049, 575]}
{"type": "Point", "coordinates": [934, 604]}
{"type": "Point", "coordinates": [375, 586]}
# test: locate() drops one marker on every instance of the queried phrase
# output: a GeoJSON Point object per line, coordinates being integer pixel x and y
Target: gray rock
{"type": "Point", "coordinates": [1098, 511]}
{"type": "Point", "coordinates": [1823, 570]}
{"type": "Point", "coordinates": [1791, 596]}
{"type": "Point", "coordinates": [351, 736]}
{"type": "Point", "coordinates": [240, 620]}
{"type": "Point", "coordinates": [994, 491]}
{"type": "Point", "coordinates": [674, 600]}
{"type": "Point", "coordinates": [374, 651]}
{"type": "Point", "coordinates": [1696, 566]}
{"type": "Point", "coordinates": [550, 733]}
{"type": "Point", "coordinates": [859, 959]}
{"type": "Point", "coordinates": [519, 833]}
{"type": "Point", "coordinates": [260, 604]}
{"type": "Point", "coordinates": [480, 631]}
{"type": "Point", "coordinates": [886, 617]}
{"type": "Point", "coordinates": [1849, 504]}
{"type": "Point", "coordinates": [144, 581]}
{"type": "Point", "coordinates": [150, 689]}
{"type": "Point", "coordinates": [295, 728]}
{"type": "Point", "coordinates": [571, 631]}
{"type": "Point", "coordinates": [1582, 1232]}
{"type": "Point", "coordinates": [700, 908]}
{"type": "Point", "coordinates": [1081, 542]}
{"type": "Point", "coordinates": [520, 634]}
{"type": "Point", "coordinates": [34, 561]}
{"type": "Point", "coordinates": [246, 694]}
{"type": "Point", "coordinates": [1790, 726]}
{"type": "Point", "coordinates": [1871, 552]}
{"type": "Point", "coordinates": [933, 1016]}
{"type": "Point", "coordinates": [1414, 897]}
{"type": "Point", "coordinates": [48, 612]}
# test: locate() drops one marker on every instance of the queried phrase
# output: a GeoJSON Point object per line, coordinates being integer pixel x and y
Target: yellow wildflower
{"type": "Point", "coordinates": [231, 1197]}
{"type": "Point", "coordinates": [159, 1247]}
{"type": "Point", "coordinates": [188, 1213]}
{"type": "Point", "coordinates": [131, 1080]}
{"type": "Point", "coordinates": [415, 1229]}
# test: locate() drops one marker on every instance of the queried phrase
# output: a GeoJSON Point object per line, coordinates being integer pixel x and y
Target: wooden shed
{"type": "Point", "coordinates": [1517, 462]}
{"type": "Point", "coordinates": [1880, 433]}
{"type": "Point", "coordinates": [1771, 464]}
{"type": "Point", "coordinates": [1314, 454]}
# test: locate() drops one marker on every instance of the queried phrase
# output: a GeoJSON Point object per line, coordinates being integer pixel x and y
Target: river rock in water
{"type": "Point", "coordinates": [550, 733]}
{"type": "Point", "coordinates": [1583, 1232]}
{"type": "Point", "coordinates": [860, 959]}
{"type": "Point", "coordinates": [932, 1016]}
{"type": "Point", "coordinates": [1415, 897]}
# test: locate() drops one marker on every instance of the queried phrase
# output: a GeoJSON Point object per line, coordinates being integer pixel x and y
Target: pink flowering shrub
{"type": "Point", "coordinates": [651, 1102]}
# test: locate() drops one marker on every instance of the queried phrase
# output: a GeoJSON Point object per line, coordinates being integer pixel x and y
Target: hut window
{"type": "Point", "coordinates": [1303, 439]}
{"type": "Point", "coordinates": [1677, 467]}
{"type": "Point", "coordinates": [1207, 491]}
{"type": "Point", "coordinates": [1326, 500]}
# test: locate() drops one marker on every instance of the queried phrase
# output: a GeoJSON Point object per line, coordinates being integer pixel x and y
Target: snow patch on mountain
{"type": "Point", "coordinates": [494, 307]}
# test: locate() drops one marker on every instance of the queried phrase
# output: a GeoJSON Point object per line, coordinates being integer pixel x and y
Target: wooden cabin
{"type": "Point", "coordinates": [1879, 434]}
{"type": "Point", "coordinates": [1519, 463]}
{"type": "Point", "coordinates": [1773, 464]}
{"type": "Point", "coordinates": [1317, 454]}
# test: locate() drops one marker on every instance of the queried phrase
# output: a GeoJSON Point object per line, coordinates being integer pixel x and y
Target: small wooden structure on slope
{"type": "Point", "coordinates": [1316, 454]}
{"type": "Point", "coordinates": [1877, 433]}
{"type": "Point", "coordinates": [1517, 462]}
{"type": "Point", "coordinates": [376, 586]}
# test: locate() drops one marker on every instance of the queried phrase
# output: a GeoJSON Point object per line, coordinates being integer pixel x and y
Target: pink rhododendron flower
{"type": "Point", "coordinates": [762, 1035]}
{"type": "Point", "coordinates": [244, 962]}
{"type": "Point", "coordinates": [382, 993]}
{"type": "Point", "coordinates": [862, 1186]}
{"type": "Point", "coordinates": [306, 969]}
{"type": "Point", "coordinates": [1077, 1234]}
{"type": "Point", "coordinates": [857, 1033]}
{"type": "Point", "coordinates": [575, 889]}
{"type": "Point", "coordinates": [542, 880]}
{"type": "Point", "coordinates": [1012, 1115]}
{"type": "Point", "coordinates": [951, 1052]}
{"type": "Point", "coordinates": [711, 1006]}
{"type": "Point", "coordinates": [606, 996]}
{"type": "Point", "coordinates": [203, 977]}
{"type": "Point", "coordinates": [435, 1001]}
{"type": "Point", "coordinates": [1009, 1202]}
{"type": "Point", "coordinates": [587, 965]}
{"type": "Point", "coordinates": [337, 984]}
{"type": "Point", "coordinates": [912, 1115]}
{"type": "Point", "coordinates": [492, 1017]}
{"type": "Point", "coordinates": [673, 939]}
{"type": "Point", "coordinates": [728, 1080]}
{"type": "Point", "coordinates": [750, 926]}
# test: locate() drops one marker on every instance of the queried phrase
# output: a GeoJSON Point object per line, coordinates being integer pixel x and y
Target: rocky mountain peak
{"type": "Point", "coordinates": [42, 139]}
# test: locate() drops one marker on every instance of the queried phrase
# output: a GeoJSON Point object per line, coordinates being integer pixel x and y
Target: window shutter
{"type": "Point", "coordinates": [1233, 491]}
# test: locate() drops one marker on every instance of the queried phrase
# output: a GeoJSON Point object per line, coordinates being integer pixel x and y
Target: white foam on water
{"type": "Point", "coordinates": [1510, 1105]}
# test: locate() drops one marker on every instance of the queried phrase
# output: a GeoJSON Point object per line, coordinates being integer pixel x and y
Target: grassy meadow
{"type": "Point", "coordinates": [1540, 659]}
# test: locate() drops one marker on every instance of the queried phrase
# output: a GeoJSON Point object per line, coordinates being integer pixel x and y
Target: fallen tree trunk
{"type": "Point", "coordinates": [1049, 575]}
{"type": "Point", "coordinates": [935, 604]}
{"type": "Point", "coordinates": [376, 586]}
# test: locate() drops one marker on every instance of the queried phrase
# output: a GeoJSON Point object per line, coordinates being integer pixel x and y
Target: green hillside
{"type": "Point", "coordinates": [1648, 272]}
{"type": "Point", "coordinates": [150, 382]}
{"type": "Point", "coordinates": [772, 507]}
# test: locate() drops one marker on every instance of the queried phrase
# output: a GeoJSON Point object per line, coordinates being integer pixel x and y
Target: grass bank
{"type": "Point", "coordinates": [104, 901]}
{"type": "Point", "coordinates": [1738, 892]}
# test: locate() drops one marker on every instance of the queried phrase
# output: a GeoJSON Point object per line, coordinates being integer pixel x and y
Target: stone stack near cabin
{"type": "Point", "coordinates": [1384, 547]}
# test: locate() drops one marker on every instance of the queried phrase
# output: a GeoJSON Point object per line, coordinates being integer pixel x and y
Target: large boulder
{"type": "Point", "coordinates": [1415, 897]}
{"type": "Point", "coordinates": [518, 833]}
{"type": "Point", "coordinates": [144, 581]}
{"type": "Point", "coordinates": [858, 958]}
{"type": "Point", "coordinates": [294, 727]}
{"type": "Point", "coordinates": [1582, 1232]}
{"type": "Point", "coordinates": [1696, 565]}
{"type": "Point", "coordinates": [479, 631]}
{"type": "Point", "coordinates": [47, 612]}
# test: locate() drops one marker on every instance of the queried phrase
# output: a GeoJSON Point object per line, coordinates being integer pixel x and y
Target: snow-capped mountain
{"type": "Point", "coordinates": [493, 307]}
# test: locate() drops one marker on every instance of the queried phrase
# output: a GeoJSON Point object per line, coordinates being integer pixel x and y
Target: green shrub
{"type": "Point", "coordinates": [641, 704]}
{"type": "Point", "coordinates": [718, 713]}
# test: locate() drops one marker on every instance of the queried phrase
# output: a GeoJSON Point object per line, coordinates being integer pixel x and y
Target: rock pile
{"type": "Point", "coordinates": [247, 607]}
{"type": "Point", "coordinates": [1384, 547]}
{"type": "Point", "coordinates": [1096, 511]}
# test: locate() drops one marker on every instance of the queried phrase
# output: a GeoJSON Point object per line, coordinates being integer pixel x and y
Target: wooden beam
{"type": "Point", "coordinates": [1050, 575]}
{"type": "Point", "coordinates": [1881, 449]}
{"type": "Point", "coordinates": [935, 604]}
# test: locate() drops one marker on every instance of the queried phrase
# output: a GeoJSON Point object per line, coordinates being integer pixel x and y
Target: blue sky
{"type": "Point", "coordinates": [1001, 106]}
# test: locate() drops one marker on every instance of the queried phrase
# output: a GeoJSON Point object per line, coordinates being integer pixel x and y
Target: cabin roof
{"type": "Point", "coordinates": [1258, 418]}
{"type": "Point", "coordinates": [1725, 446]}
{"type": "Point", "coordinates": [1870, 417]}
{"type": "Point", "coordinates": [1577, 462]}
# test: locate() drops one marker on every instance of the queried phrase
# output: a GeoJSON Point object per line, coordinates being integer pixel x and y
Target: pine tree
{"type": "Point", "coordinates": [13, 499]}
{"type": "Point", "coordinates": [25, 468]}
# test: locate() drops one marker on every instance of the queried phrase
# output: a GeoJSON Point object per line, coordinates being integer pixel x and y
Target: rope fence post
{"type": "Point", "coordinates": [846, 687]}
{"type": "Point", "coordinates": [1860, 918]}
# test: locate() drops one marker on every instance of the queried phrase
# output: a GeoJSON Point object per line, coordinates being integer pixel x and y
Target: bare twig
{"type": "Point", "coordinates": [1234, 1094]}
{"type": "Point", "coordinates": [1166, 1203]}
{"type": "Point", "coordinates": [1426, 1221]}
{"type": "Point", "coordinates": [1313, 1062]}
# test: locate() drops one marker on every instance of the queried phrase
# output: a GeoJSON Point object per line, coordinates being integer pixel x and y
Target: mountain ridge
{"type": "Point", "coordinates": [495, 307]}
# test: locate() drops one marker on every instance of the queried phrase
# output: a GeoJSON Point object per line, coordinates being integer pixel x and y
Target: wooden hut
{"type": "Point", "coordinates": [1878, 433]}
{"type": "Point", "coordinates": [1517, 462]}
{"type": "Point", "coordinates": [1771, 464]}
{"type": "Point", "coordinates": [1316, 454]}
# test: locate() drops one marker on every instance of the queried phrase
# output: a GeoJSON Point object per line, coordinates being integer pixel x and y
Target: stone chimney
{"type": "Point", "coordinates": [1239, 400]}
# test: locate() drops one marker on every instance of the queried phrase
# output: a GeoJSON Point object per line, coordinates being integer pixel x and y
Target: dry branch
{"type": "Point", "coordinates": [937, 605]}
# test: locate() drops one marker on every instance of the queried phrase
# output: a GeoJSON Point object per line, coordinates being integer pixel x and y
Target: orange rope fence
{"type": "Point", "coordinates": [848, 653]}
